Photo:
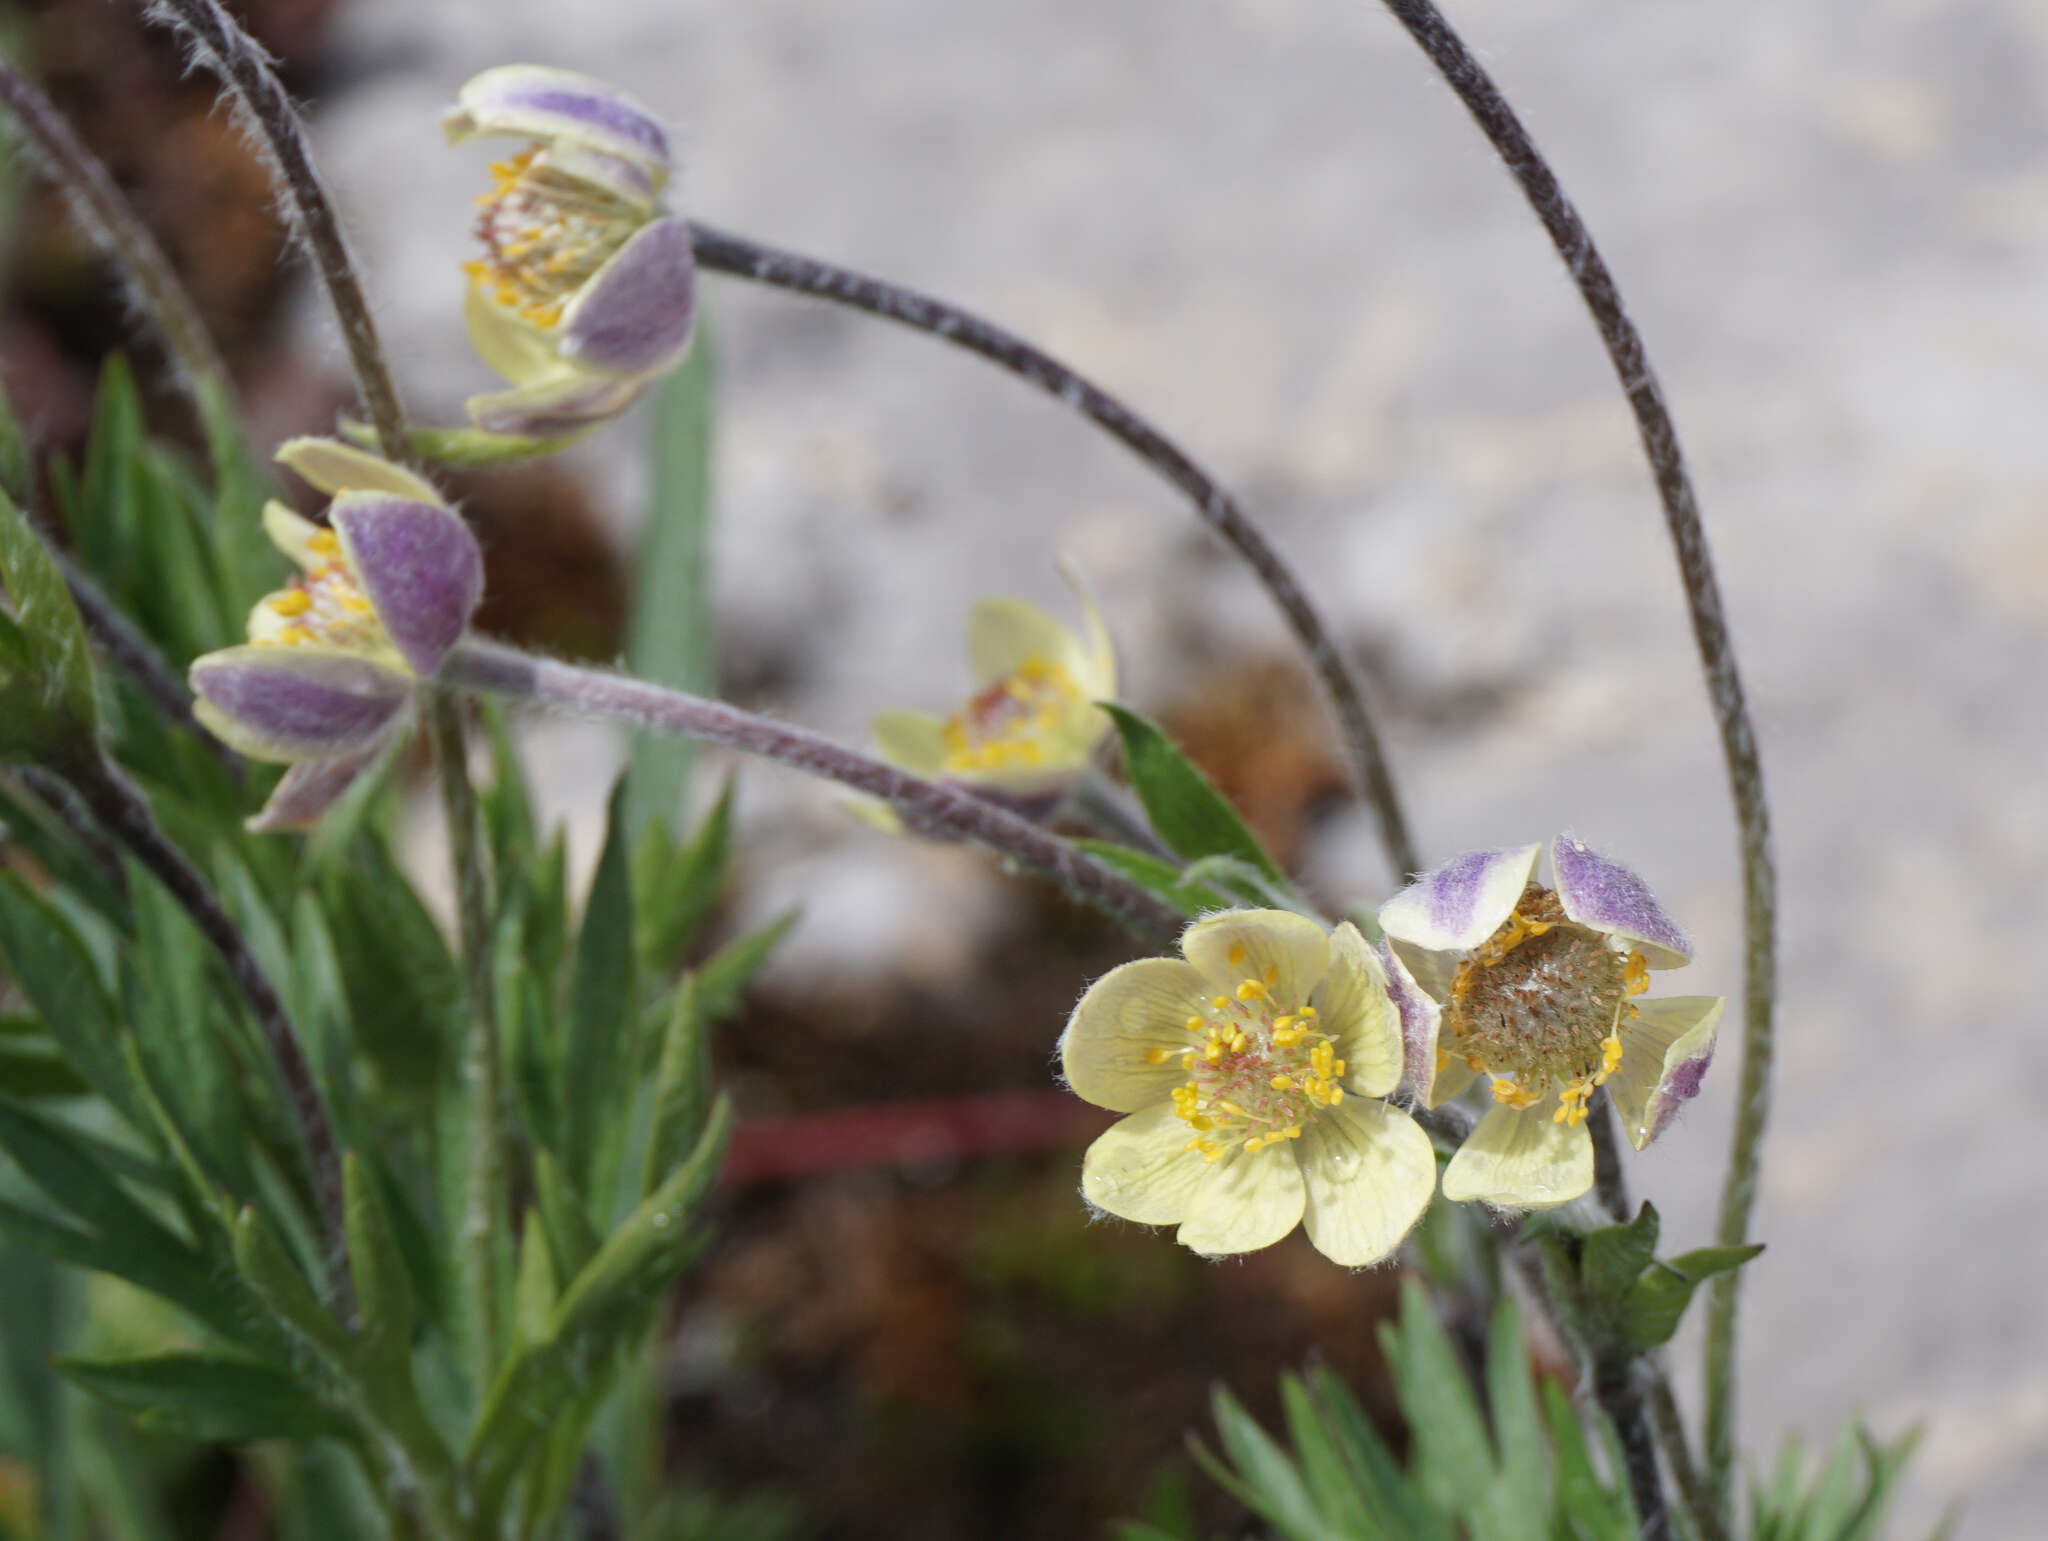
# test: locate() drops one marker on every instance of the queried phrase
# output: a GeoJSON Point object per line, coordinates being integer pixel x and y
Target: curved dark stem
{"type": "Point", "coordinates": [63, 800]}
{"type": "Point", "coordinates": [136, 656]}
{"type": "Point", "coordinates": [1624, 344]}
{"type": "Point", "coordinates": [241, 63]}
{"type": "Point", "coordinates": [743, 258]}
{"type": "Point", "coordinates": [1620, 1396]}
{"type": "Point", "coordinates": [107, 217]}
{"type": "Point", "coordinates": [1676, 1444]}
{"type": "Point", "coordinates": [1610, 1183]}
{"type": "Point", "coordinates": [929, 807]}
{"type": "Point", "coordinates": [124, 814]}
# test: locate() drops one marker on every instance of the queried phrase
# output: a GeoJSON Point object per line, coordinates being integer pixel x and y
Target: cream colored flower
{"type": "Point", "coordinates": [1031, 727]}
{"type": "Point", "coordinates": [1252, 1074]}
{"type": "Point", "coordinates": [1535, 987]}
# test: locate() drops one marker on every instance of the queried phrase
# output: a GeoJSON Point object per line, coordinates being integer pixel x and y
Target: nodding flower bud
{"type": "Point", "coordinates": [1536, 988]}
{"type": "Point", "coordinates": [1031, 728]}
{"type": "Point", "coordinates": [334, 658]}
{"type": "Point", "coordinates": [585, 288]}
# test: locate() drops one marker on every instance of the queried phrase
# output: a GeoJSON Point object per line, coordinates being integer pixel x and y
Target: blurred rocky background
{"type": "Point", "coordinates": [1267, 224]}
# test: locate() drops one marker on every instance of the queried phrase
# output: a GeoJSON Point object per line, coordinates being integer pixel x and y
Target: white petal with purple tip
{"type": "Point", "coordinates": [1421, 1018]}
{"type": "Point", "coordinates": [1665, 1053]}
{"type": "Point", "coordinates": [1607, 896]}
{"type": "Point", "coordinates": [296, 703]}
{"type": "Point", "coordinates": [1455, 907]}
{"type": "Point", "coordinates": [550, 104]}
{"type": "Point", "coordinates": [568, 403]}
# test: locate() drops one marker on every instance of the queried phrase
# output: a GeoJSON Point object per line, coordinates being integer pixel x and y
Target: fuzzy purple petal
{"type": "Point", "coordinates": [1420, 1019]}
{"type": "Point", "coordinates": [548, 104]}
{"type": "Point", "coordinates": [1457, 906]}
{"type": "Point", "coordinates": [1609, 897]}
{"type": "Point", "coordinates": [635, 314]}
{"type": "Point", "coordinates": [419, 567]}
{"type": "Point", "coordinates": [306, 791]}
{"type": "Point", "coordinates": [555, 408]}
{"type": "Point", "coordinates": [283, 703]}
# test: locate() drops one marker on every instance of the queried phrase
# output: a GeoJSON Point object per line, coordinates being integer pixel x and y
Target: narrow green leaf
{"type": "Point", "coordinates": [727, 972]}
{"type": "Point", "coordinates": [1615, 1257]}
{"type": "Point", "coordinates": [1511, 1399]}
{"type": "Point", "coordinates": [676, 889]}
{"type": "Point", "coordinates": [598, 1051]}
{"type": "Point", "coordinates": [55, 970]}
{"type": "Point", "coordinates": [207, 1397]}
{"type": "Point", "coordinates": [1278, 1491]}
{"type": "Point", "coordinates": [1160, 878]}
{"type": "Point", "coordinates": [669, 633]}
{"type": "Point", "coordinates": [1652, 1308]}
{"type": "Point", "coordinates": [682, 1087]}
{"type": "Point", "coordinates": [1190, 815]}
{"type": "Point", "coordinates": [1451, 1458]}
{"type": "Point", "coordinates": [1589, 1509]}
{"type": "Point", "coordinates": [1398, 1507]}
{"type": "Point", "coordinates": [572, 1239]}
{"type": "Point", "coordinates": [280, 1285]}
{"type": "Point", "coordinates": [533, 1292]}
{"type": "Point", "coordinates": [384, 1297]}
{"type": "Point", "coordinates": [1332, 1482]}
{"type": "Point", "coordinates": [35, 1074]}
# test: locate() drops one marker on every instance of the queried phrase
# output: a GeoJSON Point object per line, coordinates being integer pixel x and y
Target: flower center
{"type": "Point", "coordinates": [1539, 1006]}
{"type": "Point", "coordinates": [544, 233]}
{"type": "Point", "coordinates": [321, 606]}
{"type": "Point", "coordinates": [1014, 721]}
{"type": "Point", "coordinates": [1258, 1069]}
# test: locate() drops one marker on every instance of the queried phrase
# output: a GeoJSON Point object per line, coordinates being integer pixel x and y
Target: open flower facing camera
{"type": "Point", "coordinates": [1536, 988]}
{"type": "Point", "coordinates": [1251, 1069]}
{"type": "Point", "coordinates": [585, 289]}
{"type": "Point", "coordinates": [1031, 728]}
{"type": "Point", "coordinates": [333, 660]}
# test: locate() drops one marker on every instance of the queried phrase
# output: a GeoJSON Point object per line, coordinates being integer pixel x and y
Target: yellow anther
{"type": "Point", "coordinates": [1231, 1108]}
{"type": "Point", "coordinates": [324, 543]}
{"type": "Point", "coordinates": [1155, 1056]}
{"type": "Point", "coordinates": [1336, 1095]}
{"type": "Point", "coordinates": [1281, 1024]}
{"type": "Point", "coordinates": [1292, 1131]}
{"type": "Point", "coordinates": [1251, 990]}
{"type": "Point", "coordinates": [1474, 1062]}
{"type": "Point", "coordinates": [1196, 1024]}
{"type": "Point", "coordinates": [1220, 1002]}
{"type": "Point", "coordinates": [290, 602]}
{"type": "Point", "coordinates": [1253, 1143]}
{"type": "Point", "coordinates": [1212, 1051]}
{"type": "Point", "coordinates": [1282, 1083]}
{"type": "Point", "coordinates": [1187, 1062]}
{"type": "Point", "coordinates": [1237, 1042]}
{"type": "Point", "coordinates": [1307, 1011]}
{"type": "Point", "coordinates": [1321, 1057]}
{"type": "Point", "coordinates": [1635, 974]}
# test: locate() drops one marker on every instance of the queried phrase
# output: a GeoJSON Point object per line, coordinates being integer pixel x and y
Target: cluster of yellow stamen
{"type": "Point", "coordinates": [321, 605]}
{"type": "Point", "coordinates": [1539, 1005]}
{"type": "Point", "coordinates": [1258, 1068]}
{"type": "Point", "coordinates": [544, 234]}
{"type": "Point", "coordinates": [1015, 723]}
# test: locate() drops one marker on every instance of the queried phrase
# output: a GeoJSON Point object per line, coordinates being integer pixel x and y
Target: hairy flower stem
{"type": "Point", "coordinates": [1673, 1440]}
{"type": "Point", "coordinates": [106, 217]}
{"type": "Point", "coordinates": [484, 1190]}
{"type": "Point", "coordinates": [1624, 344]}
{"type": "Point", "coordinates": [244, 68]}
{"type": "Point", "coordinates": [929, 807]}
{"type": "Point", "coordinates": [1610, 1183]}
{"type": "Point", "coordinates": [744, 258]}
{"type": "Point", "coordinates": [124, 814]}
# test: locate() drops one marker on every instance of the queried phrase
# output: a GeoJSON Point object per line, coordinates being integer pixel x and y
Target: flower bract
{"type": "Point", "coordinates": [1537, 988]}
{"type": "Point", "coordinates": [1031, 727]}
{"type": "Point", "coordinates": [1251, 1071]}
{"type": "Point", "coordinates": [334, 658]}
{"type": "Point", "coordinates": [585, 288]}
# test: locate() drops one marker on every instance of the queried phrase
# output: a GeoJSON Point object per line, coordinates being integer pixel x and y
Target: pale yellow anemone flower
{"type": "Point", "coordinates": [1031, 728]}
{"type": "Point", "coordinates": [1538, 989]}
{"type": "Point", "coordinates": [1252, 1074]}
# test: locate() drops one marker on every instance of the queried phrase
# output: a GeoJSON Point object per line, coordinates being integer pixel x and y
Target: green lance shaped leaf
{"type": "Point", "coordinates": [1614, 1257]}
{"type": "Point", "coordinates": [605, 1306]}
{"type": "Point", "coordinates": [602, 1020]}
{"type": "Point", "coordinates": [276, 1279]}
{"type": "Point", "coordinates": [1511, 1403]}
{"type": "Point", "coordinates": [210, 1397]}
{"type": "Point", "coordinates": [1186, 810]}
{"type": "Point", "coordinates": [533, 1290]}
{"type": "Point", "coordinates": [669, 637]}
{"type": "Point", "coordinates": [682, 1086]}
{"type": "Point", "coordinates": [387, 1307]}
{"type": "Point", "coordinates": [726, 973]}
{"type": "Point", "coordinates": [1653, 1306]}
{"type": "Point", "coordinates": [47, 708]}
{"type": "Point", "coordinates": [675, 890]}
{"type": "Point", "coordinates": [572, 1239]}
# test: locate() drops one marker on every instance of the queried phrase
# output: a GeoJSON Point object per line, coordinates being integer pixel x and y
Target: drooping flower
{"type": "Point", "coordinates": [1537, 989]}
{"type": "Point", "coordinates": [586, 286]}
{"type": "Point", "coordinates": [1031, 728]}
{"type": "Point", "coordinates": [334, 659]}
{"type": "Point", "coordinates": [1251, 1070]}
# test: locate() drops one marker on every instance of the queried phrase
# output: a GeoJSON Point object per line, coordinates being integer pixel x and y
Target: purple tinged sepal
{"type": "Point", "coordinates": [1607, 896]}
{"type": "Point", "coordinates": [418, 566]}
{"type": "Point", "coordinates": [554, 409]}
{"type": "Point", "coordinates": [635, 315]}
{"type": "Point", "coordinates": [306, 791]}
{"type": "Point", "coordinates": [287, 704]}
{"type": "Point", "coordinates": [1455, 907]}
{"type": "Point", "coordinates": [1421, 1019]}
{"type": "Point", "coordinates": [552, 105]}
{"type": "Point", "coordinates": [1664, 1061]}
